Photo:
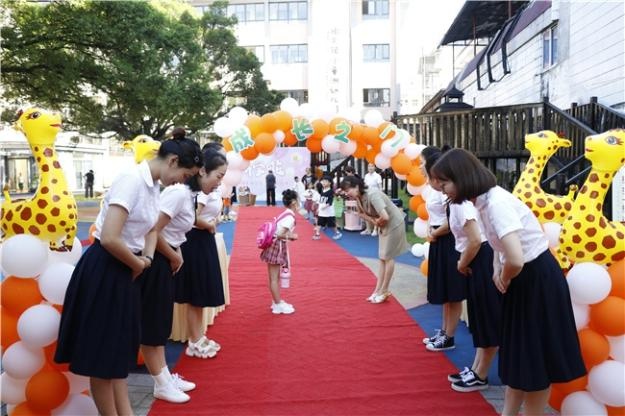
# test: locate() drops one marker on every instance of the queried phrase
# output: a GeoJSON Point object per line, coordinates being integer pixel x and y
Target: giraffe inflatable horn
{"type": "Point", "coordinates": [51, 213]}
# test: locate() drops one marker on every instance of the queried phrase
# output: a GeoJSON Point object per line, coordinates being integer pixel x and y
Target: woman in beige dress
{"type": "Point", "coordinates": [376, 207]}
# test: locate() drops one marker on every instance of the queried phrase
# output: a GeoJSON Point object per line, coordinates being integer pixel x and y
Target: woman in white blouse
{"type": "Point", "coordinates": [539, 343]}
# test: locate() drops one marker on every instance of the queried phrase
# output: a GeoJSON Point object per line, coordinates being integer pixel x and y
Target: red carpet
{"type": "Point", "coordinates": [336, 355]}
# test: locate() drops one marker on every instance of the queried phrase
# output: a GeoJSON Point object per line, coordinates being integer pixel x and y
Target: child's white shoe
{"type": "Point", "coordinates": [282, 307]}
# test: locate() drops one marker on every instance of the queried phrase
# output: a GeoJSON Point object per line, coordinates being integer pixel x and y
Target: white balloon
{"type": "Point", "coordinates": [69, 257]}
{"type": "Point", "coordinates": [289, 105]}
{"type": "Point", "coordinates": [237, 116]}
{"type": "Point", "coordinates": [325, 111]}
{"type": "Point", "coordinates": [244, 165]}
{"type": "Point", "coordinates": [232, 177]}
{"type": "Point", "coordinates": [418, 250]}
{"type": "Point", "coordinates": [400, 176]}
{"type": "Point", "coordinates": [13, 390]}
{"type": "Point", "coordinates": [279, 136]}
{"type": "Point", "coordinates": [38, 326]}
{"type": "Point", "coordinates": [223, 127]}
{"type": "Point", "coordinates": [22, 362]}
{"type": "Point", "coordinates": [412, 150]}
{"type": "Point", "coordinates": [606, 382]}
{"type": "Point", "coordinates": [234, 160]}
{"type": "Point", "coordinates": [54, 280]}
{"type": "Point", "coordinates": [76, 404]}
{"type": "Point", "coordinates": [581, 403]}
{"type": "Point", "coordinates": [552, 231]}
{"type": "Point", "coordinates": [77, 383]}
{"type": "Point", "coordinates": [589, 283]}
{"type": "Point", "coordinates": [382, 162]}
{"type": "Point", "coordinates": [24, 256]}
{"type": "Point", "coordinates": [388, 148]}
{"type": "Point", "coordinates": [426, 192]}
{"type": "Point", "coordinates": [405, 138]}
{"type": "Point", "coordinates": [306, 110]}
{"type": "Point", "coordinates": [617, 348]}
{"type": "Point", "coordinates": [329, 144]}
{"type": "Point", "coordinates": [420, 228]}
{"type": "Point", "coordinates": [373, 118]}
{"type": "Point", "coordinates": [581, 313]}
{"type": "Point", "coordinates": [415, 190]}
{"type": "Point", "coordinates": [426, 252]}
{"type": "Point", "coordinates": [347, 149]}
{"type": "Point", "coordinates": [352, 114]}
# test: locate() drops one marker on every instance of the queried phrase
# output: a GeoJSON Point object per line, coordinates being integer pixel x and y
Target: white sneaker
{"type": "Point", "coordinates": [365, 232]}
{"type": "Point", "coordinates": [170, 393]}
{"type": "Point", "coordinates": [373, 234]}
{"type": "Point", "coordinates": [337, 236]}
{"type": "Point", "coordinates": [182, 384]}
{"type": "Point", "coordinates": [282, 307]}
{"type": "Point", "coordinates": [200, 349]}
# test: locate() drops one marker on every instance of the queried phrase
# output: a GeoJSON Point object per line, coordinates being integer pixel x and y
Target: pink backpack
{"type": "Point", "coordinates": [267, 231]}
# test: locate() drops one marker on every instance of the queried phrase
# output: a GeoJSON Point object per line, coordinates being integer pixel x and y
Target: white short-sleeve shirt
{"type": "Point", "coordinates": [177, 203]}
{"type": "Point", "coordinates": [459, 214]}
{"type": "Point", "coordinates": [503, 213]}
{"type": "Point", "coordinates": [212, 205]}
{"type": "Point", "coordinates": [287, 221]}
{"type": "Point", "coordinates": [435, 205]}
{"type": "Point", "coordinates": [138, 194]}
{"type": "Point", "coordinates": [373, 180]}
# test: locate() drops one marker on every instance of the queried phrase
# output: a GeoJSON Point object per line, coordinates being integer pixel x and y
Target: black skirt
{"type": "Point", "coordinates": [445, 283]}
{"type": "Point", "coordinates": [539, 343]}
{"type": "Point", "coordinates": [100, 324]}
{"type": "Point", "coordinates": [483, 300]}
{"type": "Point", "coordinates": [199, 282]}
{"type": "Point", "coordinates": [157, 302]}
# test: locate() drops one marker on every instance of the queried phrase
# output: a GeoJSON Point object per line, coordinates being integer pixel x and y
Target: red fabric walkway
{"type": "Point", "coordinates": [336, 355]}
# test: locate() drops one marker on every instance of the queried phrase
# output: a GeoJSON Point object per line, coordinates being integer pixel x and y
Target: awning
{"type": "Point", "coordinates": [486, 16]}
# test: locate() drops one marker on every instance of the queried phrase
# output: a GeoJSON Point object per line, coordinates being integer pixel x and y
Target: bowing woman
{"type": "Point", "coordinates": [376, 207]}
{"type": "Point", "coordinates": [99, 333]}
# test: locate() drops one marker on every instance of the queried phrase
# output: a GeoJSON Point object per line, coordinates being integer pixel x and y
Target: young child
{"type": "Point", "coordinates": [276, 254]}
{"type": "Point", "coordinates": [227, 202]}
{"type": "Point", "coordinates": [325, 217]}
{"type": "Point", "coordinates": [311, 202]}
{"type": "Point", "coordinates": [339, 209]}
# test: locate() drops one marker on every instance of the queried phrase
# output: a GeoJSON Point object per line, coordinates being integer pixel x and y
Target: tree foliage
{"type": "Point", "coordinates": [126, 66]}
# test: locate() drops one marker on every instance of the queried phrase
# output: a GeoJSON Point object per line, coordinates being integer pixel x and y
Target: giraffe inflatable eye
{"type": "Point", "coordinates": [542, 135]}
{"type": "Point", "coordinates": [612, 140]}
{"type": "Point", "coordinates": [34, 115]}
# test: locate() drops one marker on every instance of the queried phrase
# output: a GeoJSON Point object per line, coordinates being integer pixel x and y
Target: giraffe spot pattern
{"type": "Point", "coordinates": [608, 242]}
{"type": "Point", "coordinates": [55, 212]}
{"type": "Point", "coordinates": [594, 194]}
{"type": "Point", "coordinates": [45, 168]}
{"type": "Point", "coordinates": [591, 232]}
{"type": "Point", "coordinates": [56, 198]}
{"type": "Point", "coordinates": [598, 257]}
{"type": "Point", "coordinates": [17, 229]}
{"type": "Point", "coordinates": [56, 164]}
{"type": "Point", "coordinates": [55, 180]}
{"type": "Point", "coordinates": [51, 228]}
{"type": "Point", "coordinates": [577, 225]}
{"type": "Point", "coordinates": [618, 256]}
{"type": "Point", "coordinates": [590, 218]}
{"type": "Point", "coordinates": [567, 206]}
{"type": "Point", "coordinates": [41, 219]}
{"type": "Point", "coordinates": [549, 215]}
{"type": "Point", "coordinates": [26, 214]}
{"type": "Point", "coordinates": [34, 230]}
{"type": "Point", "coordinates": [9, 215]}
{"type": "Point", "coordinates": [48, 152]}
{"type": "Point", "coordinates": [592, 178]}
{"type": "Point", "coordinates": [42, 203]}
{"type": "Point", "coordinates": [591, 246]}
{"type": "Point", "coordinates": [541, 203]}
{"type": "Point", "coordinates": [577, 239]}
{"type": "Point", "coordinates": [45, 190]}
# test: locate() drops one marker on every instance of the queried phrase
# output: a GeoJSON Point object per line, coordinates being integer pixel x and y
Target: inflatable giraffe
{"type": "Point", "coordinates": [546, 207]}
{"type": "Point", "coordinates": [143, 146]}
{"type": "Point", "coordinates": [587, 236]}
{"type": "Point", "coordinates": [51, 213]}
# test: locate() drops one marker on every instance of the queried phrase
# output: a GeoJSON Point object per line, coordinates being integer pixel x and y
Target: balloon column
{"type": "Point", "coordinates": [32, 293]}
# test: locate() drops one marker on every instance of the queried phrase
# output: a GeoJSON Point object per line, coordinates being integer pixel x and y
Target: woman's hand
{"type": "Point", "coordinates": [381, 222]}
{"type": "Point", "coordinates": [501, 283]}
{"type": "Point", "coordinates": [176, 262]}
{"type": "Point", "coordinates": [464, 270]}
{"type": "Point", "coordinates": [293, 236]}
{"type": "Point", "coordinates": [212, 226]}
{"type": "Point", "coordinates": [143, 264]}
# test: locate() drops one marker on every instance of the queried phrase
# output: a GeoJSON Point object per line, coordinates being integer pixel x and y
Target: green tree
{"type": "Point", "coordinates": [122, 66]}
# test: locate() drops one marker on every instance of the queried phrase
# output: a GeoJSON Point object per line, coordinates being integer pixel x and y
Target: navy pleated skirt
{"type": "Point", "coordinates": [445, 283]}
{"type": "Point", "coordinates": [483, 300]}
{"type": "Point", "coordinates": [199, 282]}
{"type": "Point", "coordinates": [539, 343]}
{"type": "Point", "coordinates": [100, 324]}
{"type": "Point", "coordinates": [157, 302]}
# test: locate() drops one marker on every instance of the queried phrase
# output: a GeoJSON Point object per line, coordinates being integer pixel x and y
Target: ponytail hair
{"type": "Point", "coordinates": [187, 150]}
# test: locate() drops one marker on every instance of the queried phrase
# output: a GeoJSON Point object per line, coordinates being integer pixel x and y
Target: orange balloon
{"type": "Point", "coordinates": [91, 237]}
{"type": "Point", "coordinates": [415, 177]}
{"type": "Point", "coordinates": [250, 153]}
{"type": "Point", "coordinates": [284, 120]}
{"type": "Point", "coordinates": [46, 390]}
{"type": "Point", "coordinates": [361, 150]}
{"type": "Point", "coordinates": [357, 132]}
{"type": "Point", "coordinates": [370, 156]}
{"type": "Point", "coordinates": [265, 143]}
{"type": "Point", "coordinates": [390, 133]}
{"type": "Point", "coordinates": [17, 294]}
{"type": "Point", "coordinates": [401, 164]}
{"type": "Point", "coordinates": [556, 396]}
{"type": "Point", "coordinates": [424, 267]}
{"type": "Point", "coordinates": [289, 139]}
{"type": "Point", "coordinates": [414, 202]}
{"type": "Point", "coordinates": [422, 212]}
{"type": "Point", "coordinates": [49, 353]}
{"type": "Point", "coordinates": [579, 384]}
{"type": "Point", "coordinates": [617, 274]}
{"type": "Point", "coordinates": [370, 136]}
{"type": "Point", "coordinates": [253, 123]}
{"type": "Point", "coordinates": [320, 129]}
{"type": "Point", "coordinates": [268, 123]}
{"type": "Point", "coordinates": [314, 145]}
{"type": "Point", "coordinates": [615, 411]}
{"type": "Point", "coordinates": [594, 347]}
{"type": "Point", "coordinates": [8, 331]}
{"type": "Point", "coordinates": [336, 121]}
{"type": "Point", "coordinates": [608, 316]}
{"type": "Point", "coordinates": [226, 144]}
{"type": "Point", "coordinates": [23, 409]}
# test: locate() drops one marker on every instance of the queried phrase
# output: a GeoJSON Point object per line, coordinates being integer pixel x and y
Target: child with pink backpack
{"type": "Point", "coordinates": [272, 239]}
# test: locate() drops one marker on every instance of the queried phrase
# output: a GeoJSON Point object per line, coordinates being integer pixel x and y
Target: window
{"type": "Point", "coordinates": [288, 10]}
{"type": "Point", "coordinates": [376, 97]}
{"type": "Point", "coordinates": [289, 54]}
{"type": "Point", "coordinates": [300, 95]}
{"type": "Point", "coordinates": [259, 51]}
{"type": "Point", "coordinates": [376, 52]}
{"type": "Point", "coordinates": [249, 12]}
{"type": "Point", "coordinates": [550, 47]}
{"type": "Point", "coordinates": [375, 8]}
